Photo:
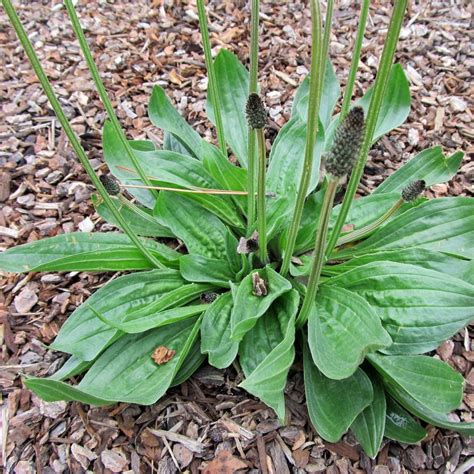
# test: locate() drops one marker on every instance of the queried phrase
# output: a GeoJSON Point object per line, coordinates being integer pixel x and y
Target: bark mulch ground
{"type": "Point", "coordinates": [208, 424]}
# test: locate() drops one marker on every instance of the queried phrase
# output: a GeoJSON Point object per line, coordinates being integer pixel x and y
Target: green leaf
{"type": "Point", "coordinates": [233, 258]}
{"type": "Point", "coordinates": [400, 425]}
{"type": "Point", "coordinates": [333, 405]}
{"type": "Point", "coordinates": [419, 308]}
{"type": "Point", "coordinates": [126, 371]}
{"type": "Point", "coordinates": [267, 380]}
{"type": "Point", "coordinates": [85, 335]}
{"type": "Point", "coordinates": [395, 103]}
{"type": "Point", "coordinates": [142, 223]}
{"type": "Point", "coordinates": [193, 361]}
{"type": "Point", "coordinates": [429, 381]}
{"type": "Point", "coordinates": [444, 225]}
{"type": "Point", "coordinates": [286, 165]}
{"type": "Point", "coordinates": [116, 157]}
{"type": "Point", "coordinates": [430, 259]}
{"type": "Point", "coordinates": [232, 81]}
{"type": "Point", "coordinates": [430, 165]}
{"type": "Point", "coordinates": [342, 329]}
{"type": "Point", "coordinates": [215, 333]}
{"type": "Point", "coordinates": [163, 115]}
{"type": "Point", "coordinates": [172, 143]}
{"type": "Point", "coordinates": [84, 251]}
{"type": "Point", "coordinates": [142, 145]}
{"type": "Point", "coordinates": [369, 426]}
{"type": "Point", "coordinates": [269, 332]}
{"type": "Point", "coordinates": [330, 95]}
{"type": "Point", "coordinates": [51, 390]}
{"type": "Point", "coordinates": [202, 232]}
{"type": "Point", "coordinates": [248, 307]}
{"type": "Point", "coordinates": [204, 269]}
{"type": "Point", "coordinates": [424, 413]}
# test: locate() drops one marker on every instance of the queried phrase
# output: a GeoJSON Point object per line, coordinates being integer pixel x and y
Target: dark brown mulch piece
{"type": "Point", "coordinates": [44, 192]}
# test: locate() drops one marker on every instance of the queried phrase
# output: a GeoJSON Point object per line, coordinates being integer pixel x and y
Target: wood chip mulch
{"type": "Point", "coordinates": [207, 424]}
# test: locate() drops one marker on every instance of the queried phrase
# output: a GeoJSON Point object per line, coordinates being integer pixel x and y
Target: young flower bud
{"type": "Point", "coordinates": [110, 184]}
{"type": "Point", "coordinates": [249, 245]}
{"type": "Point", "coordinates": [347, 142]}
{"type": "Point", "coordinates": [412, 190]}
{"type": "Point", "coordinates": [255, 110]}
{"type": "Point", "coordinates": [209, 297]}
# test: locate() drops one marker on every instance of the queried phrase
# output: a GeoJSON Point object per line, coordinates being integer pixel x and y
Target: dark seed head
{"type": "Point", "coordinates": [110, 184]}
{"type": "Point", "coordinates": [209, 297]}
{"type": "Point", "coordinates": [249, 245]}
{"type": "Point", "coordinates": [255, 110]}
{"type": "Point", "coordinates": [411, 191]}
{"type": "Point", "coordinates": [347, 142]}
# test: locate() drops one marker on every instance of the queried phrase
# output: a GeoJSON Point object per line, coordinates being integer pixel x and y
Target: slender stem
{"type": "Point", "coordinates": [327, 28]}
{"type": "Point", "coordinates": [212, 83]}
{"type": "Point", "coordinates": [76, 26]}
{"type": "Point", "coordinates": [35, 63]}
{"type": "Point", "coordinates": [261, 217]}
{"type": "Point", "coordinates": [346, 102]}
{"type": "Point", "coordinates": [218, 192]}
{"type": "Point", "coordinates": [253, 86]}
{"type": "Point", "coordinates": [368, 229]}
{"type": "Point", "coordinates": [374, 108]}
{"type": "Point", "coordinates": [318, 258]}
{"type": "Point", "coordinates": [315, 91]}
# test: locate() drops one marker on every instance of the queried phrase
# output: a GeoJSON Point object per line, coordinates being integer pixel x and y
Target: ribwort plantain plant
{"type": "Point", "coordinates": [269, 275]}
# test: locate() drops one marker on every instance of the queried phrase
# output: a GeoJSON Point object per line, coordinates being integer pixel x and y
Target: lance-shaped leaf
{"type": "Point", "coordinates": [126, 371]}
{"type": "Point", "coordinates": [142, 223]}
{"type": "Point", "coordinates": [369, 426]}
{"type": "Point", "coordinates": [444, 225]}
{"type": "Point", "coordinates": [215, 333]}
{"type": "Point", "coordinates": [421, 411]}
{"type": "Point", "coordinates": [419, 308]}
{"type": "Point", "coordinates": [232, 80]}
{"type": "Point", "coordinates": [429, 381]}
{"type": "Point", "coordinates": [84, 251]}
{"type": "Point", "coordinates": [85, 335]}
{"type": "Point", "coordinates": [430, 165]}
{"type": "Point", "coordinates": [248, 307]}
{"type": "Point", "coordinates": [163, 115]}
{"type": "Point", "coordinates": [342, 329]}
{"type": "Point", "coordinates": [193, 361]}
{"type": "Point", "coordinates": [400, 425]}
{"type": "Point", "coordinates": [333, 405]}
{"type": "Point", "coordinates": [202, 232]}
{"type": "Point", "coordinates": [429, 259]}
{"type": "Point", "coordinates": [272, 341]}
{"type": "Point", "coordinates": [73, 366]}
{"type": "Point", "coordinates": [206, 270]}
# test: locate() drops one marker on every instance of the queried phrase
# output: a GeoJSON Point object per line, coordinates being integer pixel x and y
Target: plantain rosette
{"type": "Point", "coordinates": [385, 299]}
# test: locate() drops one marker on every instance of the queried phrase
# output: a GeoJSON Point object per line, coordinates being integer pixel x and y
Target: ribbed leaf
{"type": "Point", "coordinates": [248, 307]}
{"type": "Point", "coordinates": [369, 426]}
{"type": "Point", "coordinates": [163, 115]}
{"type": "Point", "coordinates": [126, 371]}
{"type": "Point", "coordinates": [73, 366]}
{"type": "Point", "coordinates": [85, 335]}
{"type": "Point", "coordinates": [333, 405]}
{"type": "Point", "coordinates": [84, 251]}
{"type": "Point", "coordinates": [202, 232]}
{"type": "Point", "coordinates": [419, 308]}
{"type": "Point", "coordinates": [342, 329]}
{"type": "Point", "coordinates": [429, 381]}
{"type": "Point", "coordinates": [215, 333]}
{"type": "Point", "coordinates": [232, 81]}
{"type": "Point", "coordinates": [400, 425]}
{"type": "Point", "coordinates": [430, 165]}
{"type": "Point", "coordinates": [204, 269]}
{"type": "Point", "coordinates": [444, 225]}
{"type": "Point", "coordinates": [273, 337]}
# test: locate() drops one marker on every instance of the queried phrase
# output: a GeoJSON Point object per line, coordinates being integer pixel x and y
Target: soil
{"type": "Point", "coordinates": [207, 424]}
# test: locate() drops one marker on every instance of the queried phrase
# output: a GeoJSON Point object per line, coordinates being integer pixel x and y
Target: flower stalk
{"type": "Point", "coordinates": [374, 109]}
{"type": "Point", "coordinates": [315, 90]}
{"type": "Point", "coordinates": [76, 26]}
{"type": "Point", "coordinates": [74, 140]}
{"type": "Point", "coordinates": [253, 89]}
{"type": "Point", "coordinates": [212, 82]}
